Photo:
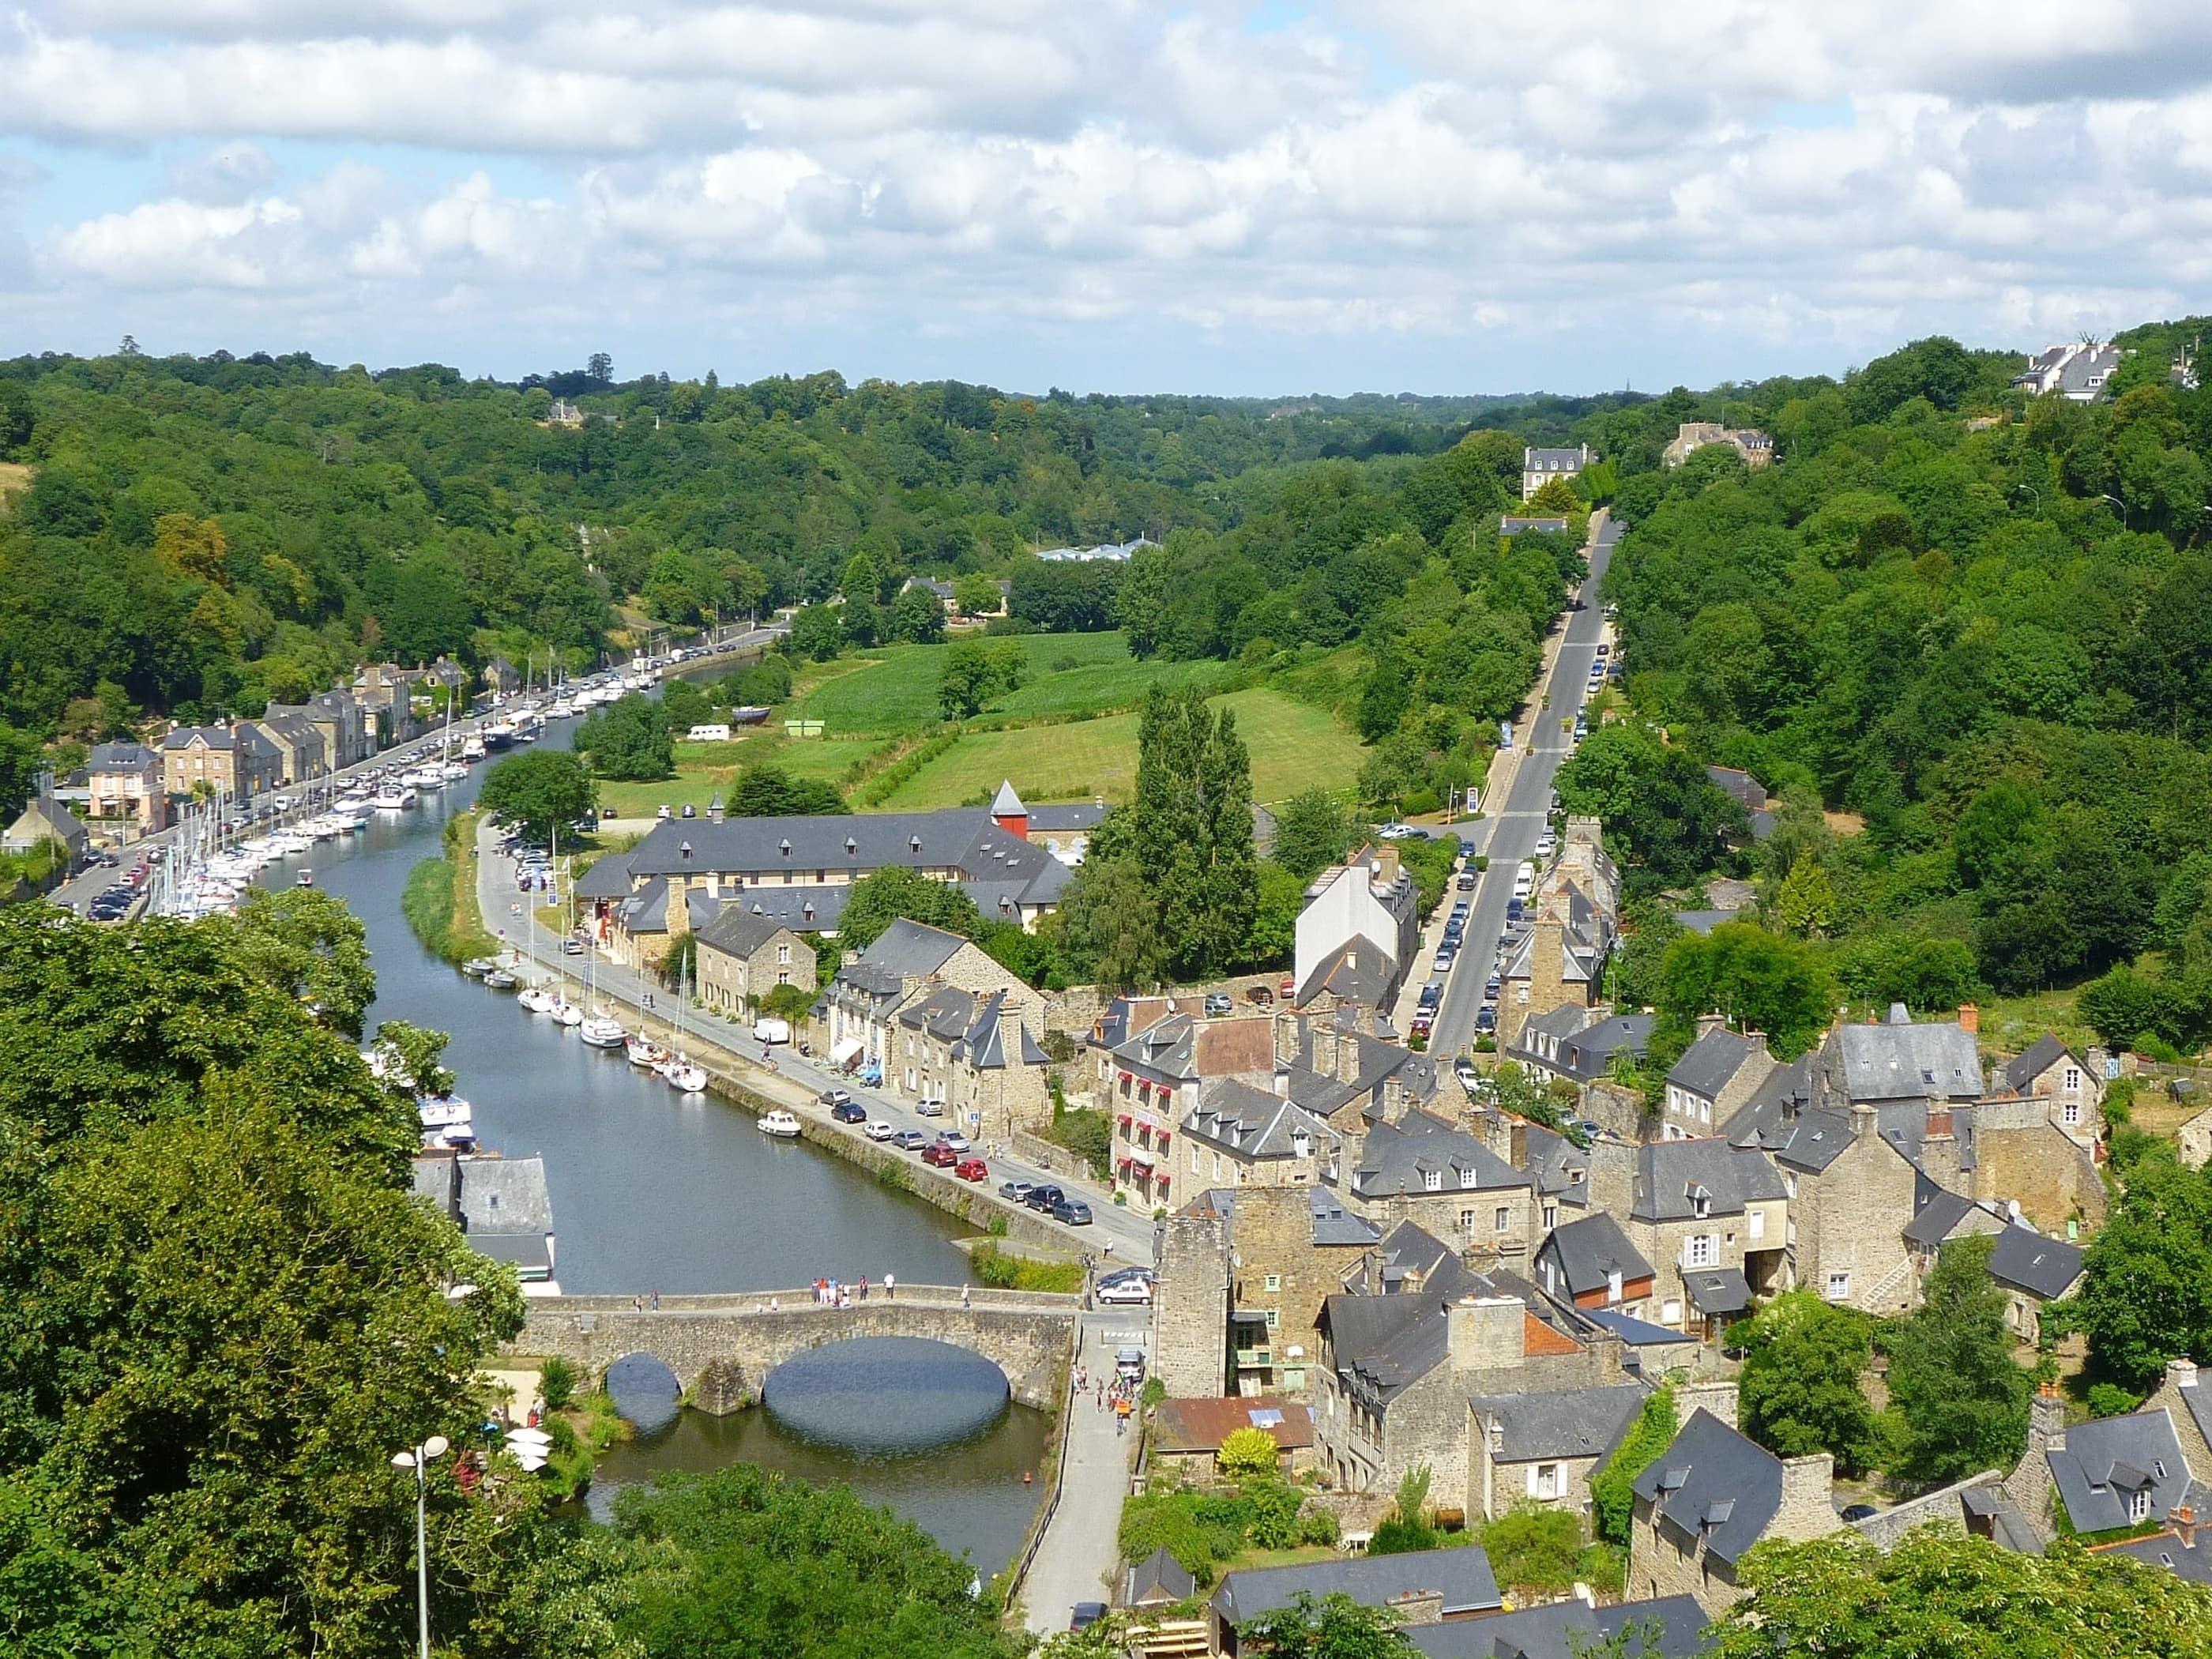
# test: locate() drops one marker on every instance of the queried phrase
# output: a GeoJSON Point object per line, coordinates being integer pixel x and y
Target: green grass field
{"type": "Point", "coordinates": [1294, 746]}
{"type": "Point", "coordinates": [702, 769]}
{"type": "Point", "coordinates": [893, 692]}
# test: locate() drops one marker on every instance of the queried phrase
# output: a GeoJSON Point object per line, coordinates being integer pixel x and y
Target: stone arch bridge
{"type": "Point", "coordinates": [722, 1348]}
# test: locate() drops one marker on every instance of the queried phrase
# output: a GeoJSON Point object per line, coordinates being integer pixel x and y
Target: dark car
{"type": "Point", "coordinates": [910, 1141]}
{"type": "Point", "coordinates": [938, 1156]}
{"type": "Point", "coordinates": [1043, 1198]}
{"type": "Point", "coordinates": [1071, 1211]}
{"type": "Point", "coordinates": [1860, 1512]}
{"type": "Point", "coordinates": [1260, 996]}
{"type": "Point", "coordinates": [1017, 1190]}
{"type": "Point", "coordinates": [1486, 1019]}
{"type": "Point", "coordinates": [849, 1111]}
{"type": "Point", "coordinates": [1087, 1614]}
{"type": "Point", "coordinates": [1466, 848]}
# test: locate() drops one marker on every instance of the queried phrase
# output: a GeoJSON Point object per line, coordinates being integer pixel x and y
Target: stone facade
{"type": "Point", "coordinates": [233, 761]}
{"type": "Point", "coordinates": [1190, 1335]}
{"type": "Point", "coordinates": [1281, 1277]}
{"type": "Point", "coordinates": [1849, 1223]}
{"type": "Point", "coordinates": [2022, 1157]}
{"type": "Point", "coordinates": [738, 965]}
{"type": "Point", "coordinates": [2194, 1140]}
{"type": "Point", "coordinates": [2185, 1396]}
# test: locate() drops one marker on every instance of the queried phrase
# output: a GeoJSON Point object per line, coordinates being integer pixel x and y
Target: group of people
{"type": "Point", "coordinates": [1115, 1394]}
{"type": "Point", "coordinates": [835, 1293]}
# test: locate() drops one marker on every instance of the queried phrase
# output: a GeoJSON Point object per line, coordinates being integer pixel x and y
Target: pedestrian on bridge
{"type": "Point", "coordinates": [891, 1287]}
{"type": "Point", "coordinates": [963, 1298]}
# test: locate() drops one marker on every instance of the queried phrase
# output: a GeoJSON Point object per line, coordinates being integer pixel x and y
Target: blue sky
{"type": "Point", "coordinates": [1423, 195]}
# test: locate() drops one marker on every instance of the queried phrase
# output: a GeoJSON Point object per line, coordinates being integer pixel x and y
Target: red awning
{"type": "Point", "coordinates": [1124, 1120]}
{"type": "Point", "coordinates": [1164, 1140]}
{"type": "Point", "coordinates": [1128, 1077]}
{"type": "Point", "coordinates": [1163, 1182]}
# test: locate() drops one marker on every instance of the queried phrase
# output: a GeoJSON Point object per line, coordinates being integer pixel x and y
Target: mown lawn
{"type": "Point", "coordinates": [702, 769]}
{"type": "Point", "coordinates": [893, 692]}
{"type": "Point", "coordinates": [1294, 746]}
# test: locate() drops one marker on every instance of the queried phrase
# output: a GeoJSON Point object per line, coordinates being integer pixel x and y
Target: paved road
{"type": "Point", "coordinates": [796, 1080]}
{"type": "Point", "coordinates": [80, 890]}
{"type": "Point", "coordinates": [1079, 1552]}
{"type": "Point", "coordinates": [1508, 835]}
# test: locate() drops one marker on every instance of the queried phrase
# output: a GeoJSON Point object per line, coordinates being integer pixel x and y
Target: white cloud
{"type": "Point", "coordinates": [1592, 177]}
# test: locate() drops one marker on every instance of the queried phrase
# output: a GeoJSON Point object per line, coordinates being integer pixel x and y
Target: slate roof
{"type": "Point", "coordinates": [1730, 1177]}
{"type": "Point", "coordinates": [1903, 1060]}
{"type": "Point", "coordinates": [1513, 523]}
{"type": "Point", "coordinates": [1334, 1225]}
{"type": "Point", "coordinates": [1717, 1290]}
{"type": "Point", "coordinates": [1463, 1575]}
{"type": "Point", "coordinates": [1559, 1422]}
{"type": "Point", "coordinates": [1253, 1122]}
{"type": "Point", "coordinates": [1579, 1052]}
{"type": "Point", "coordinates": [1588, 1251]}
{"type": "Point", "coordinates": [808, 910]}
{"type": "Point", "coordinates": [1068, 816]}
{"type": "Point", "coordinates": [1560, 1168]}
{"type": "Point", "coordinates": [1377, 1061]}
{"type": "Point", "coordinates": [1635, 1333]}
{"type": "Point", "coordinates": [1385, 1343]}
{"type": "Point", "coordinates": [2026, 1260]}
{"type": "Point", "coordinates": [2023, 1069]}
{"type": "Point", "coordinates": [608, 878]}
{"type": "Point", "coordinates": [47, 820]}
{"type": "Point", "coordinates": [504, 1195]}
{"type": "Point", "coordinates": [2107, 1459]}
{"type": "Point", "coordinates": [1399, 1157]}
{"type": "Point", "coordinates": [1359, 971]}
{"type": "Point", "coordinates": [1708, 1064]}
{"type": "Point", "coordinates": [1537, 460]}
{"type": "Point", "coordinates": [1779, 1120]}
{"type": "Point", "coordinates": [994, 860]}
{"type": "Point", "coordinates": [122, 758]}
{"type": "Point", "coordinates": [1158, 1577]}
{"type": "Point", "coordinates": [2164, 1549]}
{"type": "Point", "coordinates": [646, 910]}
{"type": "Point", "coordinates": [1704, 921]}
{"type": "Point", "coordinates": [909, 949]}
{"type": "Point", "coordinates": [739, 932]}
{"type": "Point", "coordinates": [1713, 1483]}
{"type": "Point", "coordinates": [1940, 1211]}
{"type": "Point", "coordinates": [1671, 1628]}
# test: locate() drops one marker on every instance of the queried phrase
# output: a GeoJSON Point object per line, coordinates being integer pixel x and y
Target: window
{"type": "Point", "coordinates": [783, 953]}
{"type": "Point", "coordinates": [1503, 1220]}
{"type": "Point", "coordinates": [1294, 1379]}
{"type": "Point", "coordinates": [1551, 1216]}
{"type": "Point", "coordinates": [783, 977]}
{"type": "Point", "coordinates": [1840, 1287]}
{"type": "Point", "coordinates": [2139, 1505]}
{"type": "Point", "coordinates": [1274, 1282]}
{"type": "Point", "coordinates": [1193, 1160]}
{"type": "Point", "coordinates": [1274, 1318]}
{"type": "Point", "coordinates": [1704, 1111]}
{"type": "Point", "coordinates": [1613, 1285]}
{"type": "Point", "coordinates": [1700, 1250]}
{"type": "Point", "coordinates": [1670, 1313]}
{"type": "Point", "coordinates": [1544, 1480]}
{"type": "Point", "coordinates": [1467, 1177]}
{"type": "Point", "coordinates": [2072, 1076]}
{"type": "Point", "coordinates": [1756, 1221]}
{"type": "Point", "coordinates": [1432, 1180]}
{"type": "Point", "coordinates": [2071, 1112]}
{"type": "Point", "coordinates": [1466, 1221]}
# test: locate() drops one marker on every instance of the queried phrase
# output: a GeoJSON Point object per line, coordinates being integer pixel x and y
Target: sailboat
{"type": "Point", "coordinates": [681, 1072]}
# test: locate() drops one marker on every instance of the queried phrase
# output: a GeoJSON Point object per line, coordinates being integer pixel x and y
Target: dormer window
{"type": "Point", "coordinates": [1701, 1202]}
{"type": "Point", "coordinates": [2139, 1504]}
{"type": "Point", "coordinates": [913, 845]}
{"type": "Point", "coordinates": [1433, 1180]}
{"type": "Point", "coordinates": [784, 847]}
{"type": "Point", "coordinates": [1467, 1177]}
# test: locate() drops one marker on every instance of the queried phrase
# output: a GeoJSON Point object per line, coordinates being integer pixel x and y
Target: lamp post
{"type": "Point", "coordinates": [419, 1459]}
{"type": "Point", "coordinates": [2122, 505]}
{"type": "Point", "coordinates": [2033, 491]}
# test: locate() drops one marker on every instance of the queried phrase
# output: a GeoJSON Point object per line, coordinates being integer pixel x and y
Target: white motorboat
{"type": "Point", "coordinates": [473, 747]}
{"type": "Point", "coordinates": [781, 1125]}
{"type": "Point", "coordinates": [567, 1013]}
{"type": "Point", "coordinates": [500, 980]}
{"type": "Point", "coordinates": [444, 1112]}
{"type": "Point", "coordinates": [599, 1031]}
{"type": "Point", "coordinates": [305, 879]}
{"type": "Point", "coordinates": [395, 796]}
{"type": "Point", "coordinates": [427, 777]}
{"type": "Point", "coordinates": [453, 771]}
{"type": "Point", "coordinates": [478, 967]}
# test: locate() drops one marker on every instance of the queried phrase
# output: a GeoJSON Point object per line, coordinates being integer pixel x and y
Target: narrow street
{"type": "Point", "coordinates": [1080, 1550]}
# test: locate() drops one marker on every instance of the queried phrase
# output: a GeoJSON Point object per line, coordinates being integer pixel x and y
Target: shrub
{"type": "Point", "coordinates": [1612, 1488]}
{"type": "Point", "coordinates": [1248, 1451]}
{"type": "Point", "coordinates": [556, 1383]}
{"type": "Point", "coordinates": [1317, 1525]}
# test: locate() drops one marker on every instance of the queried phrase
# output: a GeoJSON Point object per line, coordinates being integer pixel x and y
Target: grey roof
{"type": "Point", "coordinates": [1252, 1122]}
{"type": "Point", "coordinates": [245, 735]}
{"type": "Point", "coordinates": [1559, 1422]}
{"type": "Point", "coordinates": [439, 1180]}
{"type": "Point", "coordinates": [1717, 1290]}
{"type": "Point", "coordinates": [910, 949]}
{"type": "Point", "coordinates": [2108, 1459]}
{"type": "Point", "coordinates": [1704, 921]}
{"type": "Point", "coordinates": [1537, 460]}
{"type": "Point", "coordinates": [1581, 1052]}
{"type": "Point", "coordinates": [1561, 1168]}
{"type": "Point", "coordinates": [2008, 1524]}
{"type": "Point", "coordinates": [1359, 971]}
{"type": "Point", "coordinates": [1634, 1332]}
{"type": "Point", "coordinates": [1669, 1172]}
{"type": "Point", "coordinates": [1590, 1251]}
{"type": "Point", "coordinates": [1940, 1212]}
{"type": "Point", "coordinates": [807, 909]}
{"type": "Point", "coordinates": [963, 839]}
{"type": "Point", "coordinates": [1462, 1574]}
{"type": "Point", "coordinates": [646, 910]}
{"type": "Point", "coordinates": [122, 758]}
{"type": "Point", "coordinates": [2023, 1069]}
{"type": "Point", "coordinates": [1739, 785]}
{"type": "Point", "coordinates": [1713, 1483]}
{"type": "Point", "coordinates": [1007, 803]}
{"type": "Point", "coordinates": [2164, 1549]}
{"type": "Point", "coordinates": [1376, 1061]}
{"type": "Point", "coordinates": [1384, 1343]}
{"type": "Point", "coordinates": [1708, 1064]}
{"type": "Point", "coordinates": [1901, 1060]}
{"type": "Point", "coordinates": [1158, 1576]}
{"type": "Point", "coordinates": [1067, 815]}
{"type": "Point", "coordinates": [1671, 1628]}
{"type": "Point", "coordinates": [608, 878]}
{"type": "Point", "coordinates": [45, 820]}
{"type": "Point", "coordinates": [1779, 1120]}
{"type": "Point", "coordinates": [1399, 1158]}
{"type": "Point", "coordinates": [505, 1195]}
{"type": "Point", "coordinates": [740, 931]}
{"type": "Point", "coordinates": [2026, 1260]}
{"type": "Point", "coordinates": [1334, 1224]}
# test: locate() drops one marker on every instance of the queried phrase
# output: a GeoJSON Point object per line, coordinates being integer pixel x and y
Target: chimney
{"type": "Point", "coordinates": [1324, 1047]}
{"type": "Point", "coordinates": [1808, 1501]}
{"type": "Point", "coordinates": [1419, 1607]}
{"type": "Point", "coordinates": [2183, 1520]}
{"type": "Point", "coordinates": [2181, 1372]}
{"type": "Point", "coordinates": [1487, 1332]}
{"type": "Point", "coordinates": [714, 808]}
{"type": "Point", "coordinates": [2046, 1422]}
{"type": "Point", "coordinates": [1970, 1018]}
{"type": "Point", "coordinates": [1717, 1399]}
{"type": "Point", "coordinates": [1708, 1023]}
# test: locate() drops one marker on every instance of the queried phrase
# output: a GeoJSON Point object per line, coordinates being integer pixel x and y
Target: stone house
{"type": "Point", "coordinates": [125, 782]}
{"type": "Point", "coordinates": [236, 760]}
{"type": "Point", "coordinates": [1674, 1628]}
{"type": "Point", "coordinates": [1539, 467]}
{"type": "Point", "coordinates": [2110, 1473]}
{"type": "Point", "coordinates": [1717, 1075]}
{"type": "Point", "coordinates": [1155, 1081]}
{"type": "Point", "coordinates": [743, 956]}
{"type": "Point", "coordinates": [1436, 1174]}
{"type": "Point", "coordinates": [299, 745]}
{"type": "Point", "coordinates": [1542, 1447]}
{"type": "Point", "coordinates": [1356, 938]}
{"type": "Point", "coordinates": [1426, 1586]}
{"type": "Point", "coordinates": [2073, 1087]}
{"type": "Point", "coordinates": [1579, 1045]}
{"type": "Point", "coordinates": [1239, 1134]}
{"type": "Point", "coordinates": [1402, 1355]}
{"type": "Point", "coordinates": [503, 1203]}
{"type": "Point", "coordinates": [1713, 1219]}
{"type": "Point", "coordinates": [1184, 1436]}
{"type": "Point", "coordinates": [1192, 1299]}
{"type": "Point", "coordinates": [1573, 914]}
{"type": "Point", "coordinates": [1756, 447]}
{"type": "Point", "coordinates": [1591, 1262]}
{"type": "Point", "coordinates": [42, 820]}
{"type": "Point", "coordinates": [1941, 1216]}
{"type": "Point", "coordinates": [1710, 1496]}
{"type": "Point", "coordinates": [2188, 1402]}
{"type": "Point", "coordinates": [501, 678]}
{"type": "Point", "coordinates": [2032, 1272]}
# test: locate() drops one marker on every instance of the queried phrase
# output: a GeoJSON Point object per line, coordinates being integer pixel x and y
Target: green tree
{"type": "Point", "coordinates": [1799, 1388]}
{"type": "Point", "coordinates": [917, 616]}
{"type": "Point", "coordinates": [1312, 832]}
{"type": "Point", "coordinates": [818, 633]}
{"type": "Point", "coordinates": [310, 944]}
{"type": "Point", "coordinates": [1657, 804]}
{"type": "Point", "coordinates": [2146, 1294]}
{"type": "Point", "coordinates": [1335, 1627]}
{"type": "Point", "coordinates": [1961, 1597]}
{"type": "Point", "coordinates": [975, 672]}
{"type": "Point", "coordinates": [1109, 920]}
{"type": "Point", "coordinates": [1277, 901]}
{"type": "Point", "coordinates": [975, 596]}
{"type": "Point", "coordinates": [1761, 981]}
{"type": "Point", "coordinates": [1612, 1488]}
{"type": "Point", "coordinates": [629, 740]}
{"type": "Point", "coordinates": [1958, 1401]}
{"type": "Point", "coordinates": [766, 790]}
{"type": "Point", "coordinates": [1247, 1452]}
{"type": "Point", "coordinates": [1189, 830]}
{"type": "Point", "coordinates": [1533, 1546]}
{"type": "Point", "coordinates": [1807, 904]}
{"type": "Point", "coordinates": [881, 898]}
{"type": "Point", "coordinates": [539, 793]}
{"type": "Point", "coordinates": [1407, 1528]}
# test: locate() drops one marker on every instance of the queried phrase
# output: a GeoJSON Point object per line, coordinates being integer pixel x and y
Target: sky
{"type": "Point", "coordinates": [1432, 196]}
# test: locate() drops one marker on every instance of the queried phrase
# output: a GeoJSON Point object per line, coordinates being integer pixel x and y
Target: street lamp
{"type": "Point", "coordinates": [419, 1459]}
{"type": "Point", "coordinates": [2033, 491]}
{"type": "Point", "coordinates": [2122, 505]}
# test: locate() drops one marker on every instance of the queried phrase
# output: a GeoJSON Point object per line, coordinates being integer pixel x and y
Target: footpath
{"type": "Point", "coordinates": [1080, 1548]}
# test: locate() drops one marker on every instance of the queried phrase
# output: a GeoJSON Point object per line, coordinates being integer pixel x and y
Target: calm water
{"type": "Point", "coordinates": [922, 1427]}
{"type": "Point", "coordinates": [651, 1191]}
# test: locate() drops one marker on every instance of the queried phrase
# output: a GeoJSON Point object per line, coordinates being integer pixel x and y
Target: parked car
{"type": "Point", "coordinates": [1859, 1512]}
{"type": "Point", "coordinates": [959, 1142]}
{"type": "Point", "coordinates": [1463, 1069]}
{"type": "Point", "coordinates": [833, 1098]}
{"type": "Point", "coordinates": [938, 1156]}
{"type": "Point", "coordinates": [1288, 988]}
{"type": "Point", "coordinates": [1017, 1190]}
{"type": "Point", "coordinates": [1071, 1211]}
{"type": "Point", "coordinates": [1044, 1197]}
{"type": "Point", "coordinates": [1395, 831]}
{"type": "Point", "coordinates": [1130, 1292]}
{"type": "Point", "coordinates": [572, 946]}
{"type": "Point", "coordinates": [1431, 994]}
{"type": "Point", "coordinates": [878, 1130]}
{"type": "Point", "coordinates": [972, 1169]}
{"type": "Point", "coordinates": [1259, 996]}
{"type": "Point", "coordinates": [1217, 1003]}
{"type": "Point", "coordinates": [1466, 848]}
{"type": "Point", "coordinates": [1465, 881]}
{"type": "Point", "coordinates": [849, 1111]}
{"type": "Point", "coordinates": [929, 1109]}
{"type": "Point", "coordinates": [1492, 986]}
{"type": "Point", "coordinates": [1486, 1019]}
{"type": "Point", "coordinates": [1087, 1614]}
{"type": "Point", "coordinates": [910, 1140]}
{"type": "Point", "coordinates": [1424, 1024]}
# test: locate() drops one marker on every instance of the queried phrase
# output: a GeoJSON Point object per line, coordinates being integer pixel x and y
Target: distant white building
{"type": "Point", "coordinates": [1356, 937]}
{"type": "Point", "coordinates": [1540, 466]}
{"type": "Point", "coordinates": [2078, 371]}
{"type": "Point", "coordinates": [1121, 552]}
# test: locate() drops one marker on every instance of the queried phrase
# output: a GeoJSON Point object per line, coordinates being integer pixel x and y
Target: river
{"type": "Point", "coordinates": [653, 1191]}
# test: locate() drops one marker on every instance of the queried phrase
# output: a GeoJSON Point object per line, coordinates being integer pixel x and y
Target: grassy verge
{"type": "Point", "coordinates": [439, 900]}
{"type": "Point", "coordinates": [1002, 1271]}
{"type": "Point", "coordinates": [578, 1436]}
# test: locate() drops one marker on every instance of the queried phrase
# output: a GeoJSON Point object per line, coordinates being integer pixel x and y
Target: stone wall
{"type": "Point", "coordinates": [1278, 1268]}
{"type": "Point", "coordinates": [1887, 1530]}
{"type": "Point", "coordinates": [2021, 1156]}
{"type": "Point", "coordinates": [722, 1348]}
{"type": "Point", "coordinates": [1190, 1342]}
{"type": "Point", "coordinates": [1851, 1220]}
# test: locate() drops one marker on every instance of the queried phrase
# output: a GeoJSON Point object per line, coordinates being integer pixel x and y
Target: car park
{"type": "Point", "coordinates": [878, 1129]}
{"type": "Point", "coordinates": [938, 1156]}
{"type": "Point", "coordinates": [849, 1111]}
{"type": "Point", "coordinates": [972, 1169]}
{"type": "Point", "coordinates": [1071, 1213]}
{"type": "Point", "coordinates": [910, 1140]}
{"type": "Point", "coordinates": [1018, 1191]}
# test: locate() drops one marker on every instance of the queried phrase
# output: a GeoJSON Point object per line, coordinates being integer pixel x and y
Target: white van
{"type": "Point", "coordinates": [1524, 880]}
{"type": "Point", "coordinates": [772, 1030]}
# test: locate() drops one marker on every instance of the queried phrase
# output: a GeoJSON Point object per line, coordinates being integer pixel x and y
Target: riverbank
{"type": "Point", "coordinates": [440, 899]}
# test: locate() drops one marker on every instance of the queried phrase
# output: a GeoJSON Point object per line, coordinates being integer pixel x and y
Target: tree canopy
{"type": "Point", "coordinates": [1958, 1401]}
{"type": "Point", "coordinates": [540, 792]}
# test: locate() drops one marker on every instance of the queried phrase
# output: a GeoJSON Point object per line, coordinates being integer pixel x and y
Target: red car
{"type": "Point", "coordinates": [1288, 988]}
{"type": "Point", "coordinates": [971, 1168]}
{"type": "Point", "coordinates": [938, 1155]}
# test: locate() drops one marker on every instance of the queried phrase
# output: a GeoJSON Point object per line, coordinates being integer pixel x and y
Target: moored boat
{"type": "Point", "coordinates": [780, 1124]}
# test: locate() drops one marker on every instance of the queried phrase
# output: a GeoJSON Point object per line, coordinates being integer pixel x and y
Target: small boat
{"type": "Point", "coordinates": [646, 1053]}
{"type": "Point", "coordinates": [600, 1032]}
{"type": "Point", "coordinates": [478, 967]}
{"type": "Point", "coordinates": [684, 1076]}
{"type": "Point", "coordinates": [452, 771]}
{"type": "Point", "coordinates": [781, 1125]}
{"type": "Point", "coordinates": [537, 1001]}
{"type": "Point", "coordinates": [500, 980]}
{"type": "Point", "coordinates": [305, 879]}
{"type": "Point", "coordinates": [567, 1013]}
{"type": "Point", "coordinates": [473, 747]}
{"type": "Point", "coordinates": [444, 1112]}
{"type": "Point", "coordinates": [396, 796]}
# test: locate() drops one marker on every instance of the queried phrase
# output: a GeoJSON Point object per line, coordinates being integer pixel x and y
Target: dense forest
{"type": "Point", "coordinates": [196, 536]}
{"type": "Point", "coordinates": [1966, 636]}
